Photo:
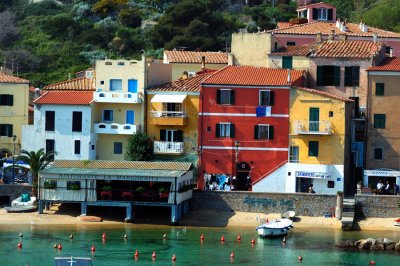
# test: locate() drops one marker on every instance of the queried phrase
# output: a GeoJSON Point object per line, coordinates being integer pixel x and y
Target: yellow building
{"type": "Point", "coordinates": [14, 101]}
{"type": "Point", "coordinates": [172, 117]}
{"type": "Point", "coordinates": [319, 140]}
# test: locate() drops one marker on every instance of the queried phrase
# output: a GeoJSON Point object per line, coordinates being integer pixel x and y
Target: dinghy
{"type": "Point", "coordinates": [396, 222]}
{"type": "Point", "coordinates": [288, 215]}
{"type": "Point", "coordinates": [275, 228]}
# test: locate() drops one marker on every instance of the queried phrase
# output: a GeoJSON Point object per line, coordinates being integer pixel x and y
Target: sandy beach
{"type": "Point", "coordinates": [203, 218]}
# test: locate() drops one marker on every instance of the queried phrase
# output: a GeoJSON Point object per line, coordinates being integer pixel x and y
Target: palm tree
{"type": "Point", "coordinates": [37, 162]}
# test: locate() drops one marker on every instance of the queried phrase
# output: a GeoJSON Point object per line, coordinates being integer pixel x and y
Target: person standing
{"type": "Point", "coordinates": [379, 187]}
{"type": "Point", "coordinates": [311, 189]}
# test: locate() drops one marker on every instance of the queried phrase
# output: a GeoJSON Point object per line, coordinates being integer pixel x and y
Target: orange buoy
{"type": "Point", "coordinates": [55, 246]}
{"type": "Point", "coordinates": [173, 258]}
{"type": "Point", "coordinates": [202, 237]}
{"type": "Point", "coordinates": [372, 262]}
{"type": "Point", "coordinates": [300, 258]}
{"type": "Point", "coordinates": [232, 255]}
{"type": "Point", "coordinates": [59, 246]}
{"type": "Point", "coordinates": [19, 245]}
{"type": "Point", "coordinates": [154, 255]}
{"type": "Point", "coordinates": [93, 249]}
{"type": "Point", "coordinates": [239, 238]}
{"type": "Point", "coordinates": [253, 241]}
{"type": "Point", "coordinates": [136, 254]}
{"type": "Point", "coordinates": [222, 238]}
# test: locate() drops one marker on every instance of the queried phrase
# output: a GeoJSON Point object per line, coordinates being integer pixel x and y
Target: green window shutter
{"type": "Point", "coordinates": [256, 132]}
{"type": "Point", "coordinates": [179, 135]}
{"type": "Point", "coordinates": [315, 13]}
{"type": "Point", "coordinates": [320, 76]}
{"type": "Point", "coordinates": [330, 14]}
{"type": "Point", "coordinates": [271, 132]}
{"type": "Point", "coordinates": [337, 76]}
{"type": "Point", "coordinates": [9, 130]}
{"type": "Point", "coordinates": [163, 135]}
{"type": "Point", "coordinates": [218, 96]}
{"type": "Point", "coordinates": [10, 100]}
{"type": "Point", "coordinates": [271, 98]}
{"type": "Point", "coordinates": [356, 75]}
{"type": "Point", "coordinates": [232, 97]}
{"type": "Point", "coordinates": [379, 121]}
{"type": "Point", "coordinates": [348, 76]}
{"type": "Point", "coordinates": [217, 130]}
{"type": "Point", "coordinates": [287, 62]}
{"type": "Point", "coordinates": [232, 133]}
{"type": "Point", "coordinates": [380, 89]}
{"type": "Point", "coordinates": [313, 148]}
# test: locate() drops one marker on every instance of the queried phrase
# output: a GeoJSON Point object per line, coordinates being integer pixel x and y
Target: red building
{"type": "Point", "coordinates": [244, 122]}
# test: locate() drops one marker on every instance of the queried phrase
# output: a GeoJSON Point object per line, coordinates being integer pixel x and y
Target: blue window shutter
{"type": "Point", "coordinates": [130, 117]}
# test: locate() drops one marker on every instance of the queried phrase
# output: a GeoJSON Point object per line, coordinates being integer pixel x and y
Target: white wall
{"type": "Point", "coordinates": [281, 181]}
{"type": "Point", "coordinates": [34, 137]}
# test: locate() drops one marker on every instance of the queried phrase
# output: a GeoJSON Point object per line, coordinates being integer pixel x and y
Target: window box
{"type": "Point", "coordinates": [73, 185]}
{"type": "Point", "coordinates": [50, 184]}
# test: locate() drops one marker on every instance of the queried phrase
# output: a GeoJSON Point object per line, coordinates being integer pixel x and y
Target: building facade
{"type": "Point", "coordinates": [14, 113]}
{"type": "Point", "coordinates": [244, 123]}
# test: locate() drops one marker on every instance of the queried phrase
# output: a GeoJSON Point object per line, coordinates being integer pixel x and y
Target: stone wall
{"type": "Point", "coordinates": [302, 203]}
{"type": "Point", "coordinates": [380, 206]}
{"type": "Point", "coordinates": [14, 191]}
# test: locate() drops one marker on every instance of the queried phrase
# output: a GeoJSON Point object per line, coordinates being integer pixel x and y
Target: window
{"type": "Point", "coordinates": [330, 113]}
{"type": "Point", "coordinates": [328, 75]}
{"type": "Point", "coordinates": [171, 135]}
{"type": "Point", "coordinates": [50, 147]}
{"type": "Point", "coordinates": [117, 147]}
{"type": "Point", "coordinates": [115, 84]}
{"type": "Point", "coordinates": [352, 76]}
{"type": "Point", "coordinates": [379, 89]}
{"type": "Point", "coordinates": [121, 63]}
{"type": "Point", "coordinates": [50, 120]}
{"type": "Point", "coordinates": [276, 45]}
{"type": "Point", "coordinates": [93, 147]}
{"type": "Point", "coordinates": [379, 120]}
{"type": "Point", "coordinates": [108, 115]}
{"type": "Point", "coordinates": [7, 99]}
{"type": "Point", "coordinates": [388, 49]}
{"type": "Point", "coordinates": [77, 121]}
{"type": "Point", "coordinates": [101, 82]}
{"type": "Point", "coordinates": [263, 132]}
{"type": "Point", "coordinates": [294, 154]}
{"type": "Point", "coordinates": [208, 129]}
{"type": "Point", "coordinates": [287, 62]}
{"type": "Point", "coordinates": [6, 130]}
{"type": "Point", "coordinates": [378, 154]}
{"type": "Point", "coordinates": [73, 185]}
{"type": "Point", "coordinates": [77, 147]}
{"type": "Point", "coordinates": [313, 148]}
{"type": "Point", "coordinates": [322, 14]}
{"type": "Point", "coordinates": [266, 98]}
{"type": "Point", "coordinates": [290, 43]}
{"type": "Point", "coordinates": [225, 96]}
{"type": "Point", "coordinates": [225, 130]}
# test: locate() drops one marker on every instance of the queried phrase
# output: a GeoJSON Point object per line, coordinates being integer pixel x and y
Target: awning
{"type": "Point", "coordinates": [168, 98]}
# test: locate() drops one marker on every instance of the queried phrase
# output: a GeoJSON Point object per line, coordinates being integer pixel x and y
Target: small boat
{"type": "Point", "coordinates": [76, 261]}
{"type": "Point", "coordinates": [88, 218]}
{"type": "Point", "coordinates": [396, 222]}
{"type": "Point", "coordinates": [20, 208]}
{"type": "Point", "coordinates": [274, 228]}
{"type": "Point", "coordinates": [288, 215]}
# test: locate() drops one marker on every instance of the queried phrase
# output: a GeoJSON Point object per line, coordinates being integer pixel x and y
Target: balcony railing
{"type": "Point", "coordinates": [114, 128]}
{"type": "Point", "coordinates": [168, 118]}
{"type": "Point", "coordinates": [116, 97]}
{"type": "Point", "coordinates": [312, 127]}
{"type": "Point", "coordinates": [168, 147]}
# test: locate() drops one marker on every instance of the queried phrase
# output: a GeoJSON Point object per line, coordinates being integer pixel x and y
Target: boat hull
{"type": "Point", "coordinates": [269, 232]}
{"type": "Point", "coordinates": [20, 209]}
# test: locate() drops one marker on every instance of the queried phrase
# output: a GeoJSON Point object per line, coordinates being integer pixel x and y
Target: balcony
{"type": "Point", "coordinates": [168, 118]}
{"type": "Point", "coordinates": [114, 128]}
{"type": "Point", "coordinates": [116, 97]}
{"type": "Point", "coordinates": [312, 127]}
{"type": "Point", "coordinates": [168, 147]}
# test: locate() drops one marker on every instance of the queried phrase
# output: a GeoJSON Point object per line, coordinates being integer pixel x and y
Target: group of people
{"type": "Point", "coordinates": [387, 188]}
{"type": "Point", "coordinates": [220, 182]}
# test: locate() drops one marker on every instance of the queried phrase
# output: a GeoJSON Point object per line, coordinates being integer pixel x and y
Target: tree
{"type": "Point", "coordinates": [140, 147]}
{"type": "Point", "coordinates": [9, 31]}
{"type": "Point", "coordinates": [37, 162]}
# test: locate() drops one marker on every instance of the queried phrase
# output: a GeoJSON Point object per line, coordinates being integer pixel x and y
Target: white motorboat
{"type": "Point", "coordinates": [288, 215]}
{"type": "Point", "coordinates": [279, 227]}
{"type": "Point", "coordinates": [75, 261]}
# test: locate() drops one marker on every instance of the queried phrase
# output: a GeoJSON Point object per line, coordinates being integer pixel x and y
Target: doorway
{"type": "Point", "coordinates": [242, 172]}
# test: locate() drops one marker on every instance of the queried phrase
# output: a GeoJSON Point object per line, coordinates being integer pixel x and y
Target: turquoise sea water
{"type": "Point", "coordinates": [315, 246]}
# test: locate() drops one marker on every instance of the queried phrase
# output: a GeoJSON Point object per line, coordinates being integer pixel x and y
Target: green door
{"type": "Point", "coordinates": [314, 119]}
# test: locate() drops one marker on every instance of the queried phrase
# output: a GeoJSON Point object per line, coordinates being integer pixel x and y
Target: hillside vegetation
{"type": "Point", "coordinates": [48, 41]}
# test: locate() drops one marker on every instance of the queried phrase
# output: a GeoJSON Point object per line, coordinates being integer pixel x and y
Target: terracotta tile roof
{"type": "Point", "coordinates": [65, 98]}
{"type": "Point", "coordinates": [192, 84]}
{"type": "Point", "coordinates": [323, 93]}
{"type": "Point", "coordinates": [315, 4]}
{"type": "Point", "coordinates": [195, 57]}
{"type": "Point", "coordinates": [80, 84]}
{"type": "Point", "coordinates": [303, 50]}
{"type": "Point", "coordinates": [283, 25]}
{"type": "Point", "coordinates": [4, 78]}
{"type": "Point", "coordinates": [253, 76]}
{"type": "Point", "coordinates": [349, 49]}
{"type": "Point", "coordinates": [388, 64]}
{"type": "Point", "coordinates": [326, 28]}
{"type": "Point", "coordinates": [32, 89]}
{"type": "Point", "coordinates": [177, 166]}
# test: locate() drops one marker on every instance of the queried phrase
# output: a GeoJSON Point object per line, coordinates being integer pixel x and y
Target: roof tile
{"type": "Point", "coordinates": [65, 98]}
{"type": "Point", "coordinates": [349, 49]}
{"type": "Point", "coordinates": [195, 57]}
{"type": "Point", "coordinates": [81, 84]}
{"type": "Point", "coordinates": [300, 50]}
{"type": "Point", "coordinates": [4, 78]}
{"type": "Point", "coordinates": [324, 94]}
{"type": "Point", "coordinates": [253, 76]}
{"type": "Point", "coordinates": [388, 64]}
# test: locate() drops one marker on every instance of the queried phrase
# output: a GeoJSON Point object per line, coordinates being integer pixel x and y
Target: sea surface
{"type": "Point", "coordinates": [316, 246]}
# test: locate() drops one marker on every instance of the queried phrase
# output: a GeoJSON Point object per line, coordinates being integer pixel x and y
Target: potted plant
{"type": "Point", "coordinates": [163, 192]}
{"type": "Point", "coordinates": [106, 188]}
{"type": "Point", "coordinates": [50, 184]}
{"type": "Point", "coordinates": [359, 184]}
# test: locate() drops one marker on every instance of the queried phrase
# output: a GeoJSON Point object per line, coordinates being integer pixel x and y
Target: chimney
{"type": "Point", "coordinates": [185, 75]}
{"type": "Point", "coordinates": [318, 37]}
{"type": "Point", "coordinates": [203, 62]}
{"type": "Point", "coordinates": [342, 37]}
{"type": "Point", "coordinates": [390, 52]}
{"type": "Point", "coordinates": [343, 26]}
{"type": "Point", "coordinates": [363, 27]}
{"type": "Point", "coordinates": [374, 37]}
{"type": "Point", "coordinates": [289, 76]}
{"type": "Point", "coordinates": [338, 23]}
{"type": "Point", "coordinates": [331, 36]}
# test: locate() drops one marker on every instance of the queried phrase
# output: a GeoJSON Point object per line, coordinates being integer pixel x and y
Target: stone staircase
{"type": "Point", "coordinates": [348, 213]}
